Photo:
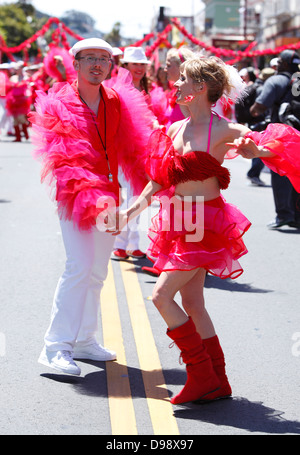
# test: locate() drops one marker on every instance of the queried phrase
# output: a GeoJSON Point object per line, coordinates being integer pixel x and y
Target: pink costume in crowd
{"type": "Point", "coordinates": [18, 98]}
{"type": "Point", "coordinates": [51, 64]}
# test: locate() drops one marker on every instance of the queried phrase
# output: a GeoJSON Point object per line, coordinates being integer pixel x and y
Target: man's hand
{"type": "Point", "coordinates": [115, 221]}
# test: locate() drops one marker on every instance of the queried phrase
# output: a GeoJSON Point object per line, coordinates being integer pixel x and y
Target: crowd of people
{"type": "Point", "coordinates": [19, 83]}
{"type": "Point", "coordinates": [116, 119]}
{"type": "Point", "coordinates": [265, 96]}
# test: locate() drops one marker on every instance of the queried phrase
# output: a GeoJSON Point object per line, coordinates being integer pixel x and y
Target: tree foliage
{"type": "Point", "coordinates": [114, 37]}
{"type": "Point", "coordinates": [18, 22]}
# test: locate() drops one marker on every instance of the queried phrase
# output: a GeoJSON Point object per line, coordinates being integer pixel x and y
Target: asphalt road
{"type": "Point", "coordinates": [256, 317]}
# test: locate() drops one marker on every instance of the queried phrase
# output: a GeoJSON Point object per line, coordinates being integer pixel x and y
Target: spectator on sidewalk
{"type": "Point", "coordinates": [277, 90]}
{"type": "Point", "coordinates": [243, 116]}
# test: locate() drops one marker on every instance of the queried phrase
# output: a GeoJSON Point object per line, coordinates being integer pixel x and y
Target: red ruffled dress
{"type": "Point", "coordinates": [187, 235]}
{"type": "Point", "coordinates": [218, 225]}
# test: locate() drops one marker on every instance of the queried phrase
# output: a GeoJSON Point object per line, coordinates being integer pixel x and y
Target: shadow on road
{"type": "Point", "coordinates": [233, 286]}
{"type": "Point", "coordinates": [236, 412]}
{"type": "Point", "coordinates": [210, 282]}
{"type": "Point", "coordinates": [241, 413]}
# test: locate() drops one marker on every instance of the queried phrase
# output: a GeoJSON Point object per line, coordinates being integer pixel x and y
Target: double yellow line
{"type": "Point", "coordinates": [122, 414]}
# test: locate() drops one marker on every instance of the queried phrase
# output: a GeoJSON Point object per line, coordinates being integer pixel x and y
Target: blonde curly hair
{"type": "Point", "coordinates": [212, 71]}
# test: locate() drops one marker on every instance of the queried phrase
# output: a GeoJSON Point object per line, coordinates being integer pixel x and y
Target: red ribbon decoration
{"type": "Point", "coordinates": [161, 38]}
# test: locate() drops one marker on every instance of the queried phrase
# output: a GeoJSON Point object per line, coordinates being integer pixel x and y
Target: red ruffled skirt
{"type": "Point", "coordinates": [188, 235]}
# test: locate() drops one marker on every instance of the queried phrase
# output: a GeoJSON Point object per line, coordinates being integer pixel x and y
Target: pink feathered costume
{"type": "Point", "coordinates": [73, 156]}
{"type": "Point", "coordinates": [75, 165]}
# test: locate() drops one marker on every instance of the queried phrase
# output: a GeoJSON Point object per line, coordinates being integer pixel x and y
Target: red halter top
{"type": "Point", "coordinates": [167, 167]}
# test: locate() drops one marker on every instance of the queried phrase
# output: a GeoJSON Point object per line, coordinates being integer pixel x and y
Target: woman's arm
{"type": "Point", "coordinates": [248, 149]}
{"type": "Point", "coordinates": [141, 203]}
{"type": "Point", "coordinates": [243, 144]}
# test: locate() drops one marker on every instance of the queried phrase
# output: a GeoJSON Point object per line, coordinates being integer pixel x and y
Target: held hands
{"type": "Point", "coordinates": [115, 221]}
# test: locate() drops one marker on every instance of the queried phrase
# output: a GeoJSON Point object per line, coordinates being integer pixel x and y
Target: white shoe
{"type": "Point", "coordinates": [94, 352]}
{"type": "Point", "coordinates": [59, 360]}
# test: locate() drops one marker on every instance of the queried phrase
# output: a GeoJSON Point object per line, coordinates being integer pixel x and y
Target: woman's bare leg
{"type": "Point", "coordinates": [168, 284]}
{"type": "Point", "coordinates": [194, 304]}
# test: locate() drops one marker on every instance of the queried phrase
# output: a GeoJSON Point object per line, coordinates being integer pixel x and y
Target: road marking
{"type": "Point", "coordinates": [160, 408]}
{"type": "Point", "coordinates": [122, 415]}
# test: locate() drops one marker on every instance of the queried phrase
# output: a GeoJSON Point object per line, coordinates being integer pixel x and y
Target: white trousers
{"type": "Point", "coordinates": [75, 309]}
{"type": "Point", "coordinates": [129, 237]}
{"type": "Point", "coordinates": [6, 120]}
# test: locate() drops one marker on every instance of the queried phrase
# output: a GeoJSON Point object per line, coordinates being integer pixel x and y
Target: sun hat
{"type": "Point", "coordinates": [243, 72]}
{"type": "Point", "coordinates": [91, 43]}
{"type": "Point", "coordinates": [134, 55]}
{"type": "Point", "coordinates": [266, 73]}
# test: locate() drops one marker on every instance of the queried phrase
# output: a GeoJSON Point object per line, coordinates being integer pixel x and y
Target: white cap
{"type": "Point", "coordinates": [91, 43]}
{"type": "Point", "coordinates": [117, 51]}
{"type": "Point", "coordinates": [243, 72]}
{"type": "Point", "coordinates": [274, 61]}
{"type": "Point", "coordinates": [134, 55]}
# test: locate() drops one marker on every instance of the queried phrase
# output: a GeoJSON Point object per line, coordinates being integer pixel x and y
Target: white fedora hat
{"type": "Point", "coordinates": [91, 43]}
{"type": "Point", "coordinates": [134, 55]}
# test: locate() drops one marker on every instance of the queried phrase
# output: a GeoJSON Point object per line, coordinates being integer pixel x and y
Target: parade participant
{"type": "Point", "coordinates": [174, 112]}
{"type": "Point", "coordinates": [58, 65]}
{"type": "Point", "coordinates": [18, 101]}
{"type": "Point", "coordinates": [78, 131]}
{"type": "Point", "coordinates": [127, 242]}
{"type": "Point", "coordinates": [175, 57]}
{"type": "Point", "coordinates": [186, 169]}
{"type": "Point", "coordinates": [136, 62]}
{"type": "Point", "coordinates": [6, 120]}
{"type": "Point", "coordinates": [113, 74]}
{"type": "Point", "coordinates": [161, 79]}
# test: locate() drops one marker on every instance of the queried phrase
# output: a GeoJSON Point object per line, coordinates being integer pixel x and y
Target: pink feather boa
{"type": "Point", "coordinates": [73, 163]}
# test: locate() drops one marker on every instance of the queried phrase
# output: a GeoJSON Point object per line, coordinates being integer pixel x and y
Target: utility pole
{"type": "Point", "coordinates": [245, 18]}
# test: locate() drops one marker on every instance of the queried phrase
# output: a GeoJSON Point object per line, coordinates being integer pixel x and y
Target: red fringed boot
{"type": "Point", "coordinates": [201, 378]}
{"type": "Point", "coordinates": [215, 351]}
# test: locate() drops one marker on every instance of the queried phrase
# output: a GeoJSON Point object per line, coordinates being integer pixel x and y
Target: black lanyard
{"type": "Point", "coordinates": [110, 176]}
